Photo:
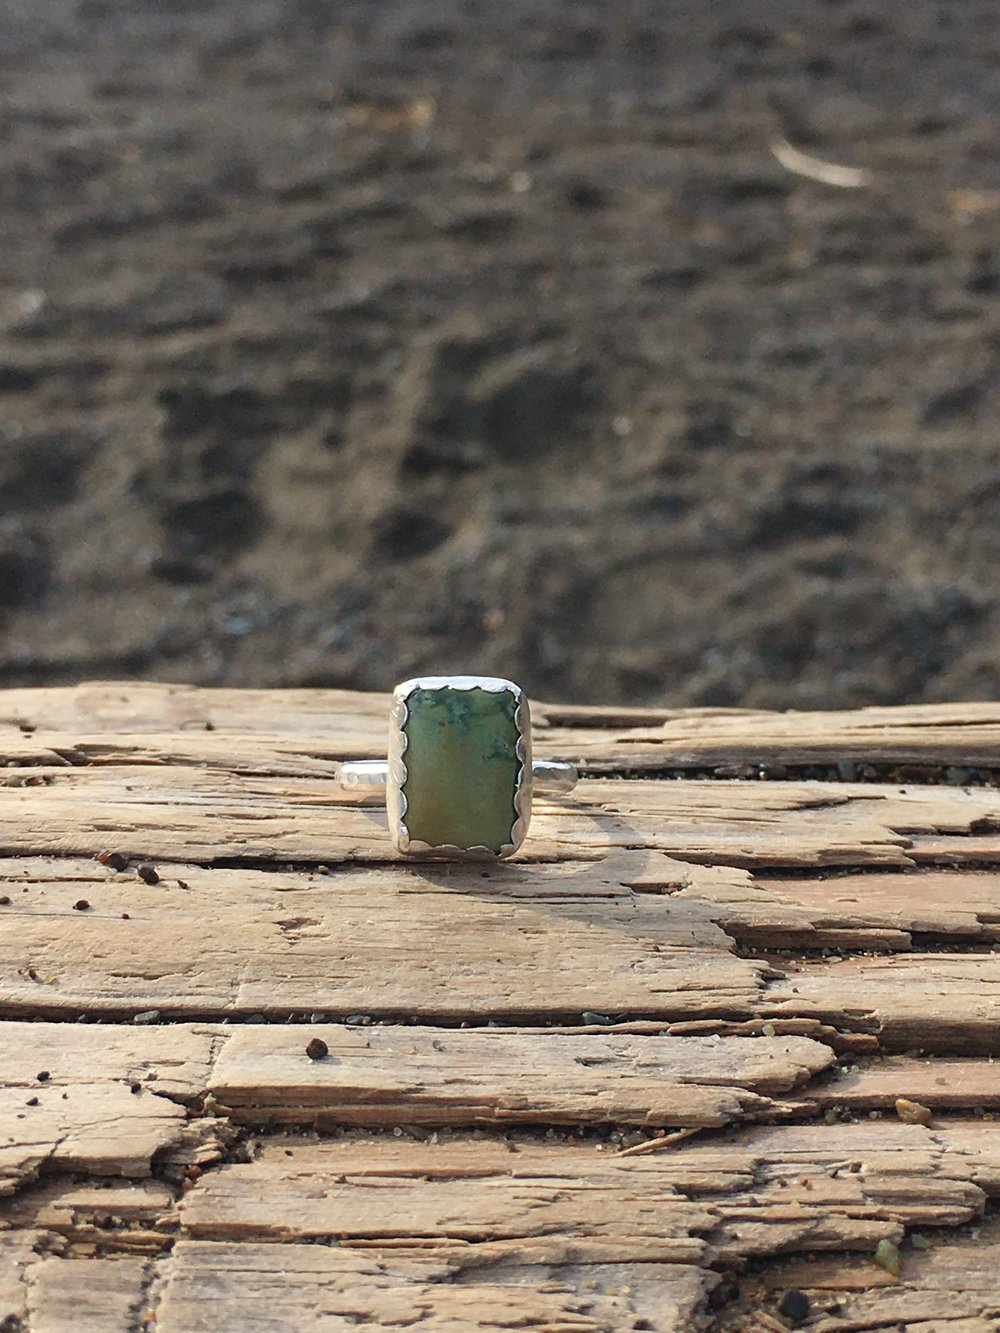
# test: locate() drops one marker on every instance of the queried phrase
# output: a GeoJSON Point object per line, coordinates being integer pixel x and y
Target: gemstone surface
{"type": "Point", "coordinates": [462, 766]}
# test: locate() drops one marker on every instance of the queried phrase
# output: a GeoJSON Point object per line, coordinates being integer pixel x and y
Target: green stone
{"type": "Point", "coordinates": [462, 767]}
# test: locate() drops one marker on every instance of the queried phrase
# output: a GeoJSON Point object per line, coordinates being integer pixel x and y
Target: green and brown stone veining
{"type": "Point", "coordinates": [462, 767]}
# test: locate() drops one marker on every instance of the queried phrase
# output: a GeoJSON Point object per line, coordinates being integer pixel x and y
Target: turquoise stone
{"type": "Point", "coordinates": [462, 767]}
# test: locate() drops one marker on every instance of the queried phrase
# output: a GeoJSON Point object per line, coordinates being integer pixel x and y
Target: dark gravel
{"type": "Point", "coordinates": [343, 342]}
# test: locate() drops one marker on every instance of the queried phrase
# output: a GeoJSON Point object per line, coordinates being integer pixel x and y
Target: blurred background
{"type": "Point", "coordinates": [642, 351]}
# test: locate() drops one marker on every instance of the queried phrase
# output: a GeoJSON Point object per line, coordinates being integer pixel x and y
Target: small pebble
{"type": "Point", "coordinates": [113, 859]}
{"type": "Point", "coordinates": [794, 1305]}
{"type": "Point", "coordinates": [912, 1113]}
{"type": "Point", "coordinates": [43, 1077]}
{"type": "Point", "coordinates": [135, 1088]}
{"type": "Point", "coordinates": [317, 1049]}
{"type": "Point", "coordinates": [146, 1017]}
{"type": "Point", "coordinates": [125, 916]}
{"type": "Point", "coordinates": [919, 1242]}
{"type": "Point", "coordinates": [768, 1030]}
{"type": "Point", "coordinates": [148, 874]}
{"type": "Point", "coordinates": [319, 1017]}
{"type": "Point", "coordinates": [81, 905]}
{"type": "Point", "coordinates": [592, 1019]}
{"type": "Point", "coordinates": [32, 1101]}
{"type": "Point", "coordinates": [887, 1256]}
{"type": "Point", "coordinates": [5, 901]}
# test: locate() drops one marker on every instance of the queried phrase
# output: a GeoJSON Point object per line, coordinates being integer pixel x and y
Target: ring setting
{"type": "Point", "coordinates": [459, 778]}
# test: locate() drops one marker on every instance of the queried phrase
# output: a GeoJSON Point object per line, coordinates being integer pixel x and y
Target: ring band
{"type": "Point", "coordinates": [373, 775]}
{"type": "Point", "coordinates": [459, 776]}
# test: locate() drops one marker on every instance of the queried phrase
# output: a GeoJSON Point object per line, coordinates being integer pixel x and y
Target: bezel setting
{"type": "Point", "coordinates": [397, 775]}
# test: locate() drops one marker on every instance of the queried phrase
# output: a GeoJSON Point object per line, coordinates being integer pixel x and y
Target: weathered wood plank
{"type": "Point", "coordinates": [66, 1099]}
{"type": "Point", "coordinates": [42, 1293]}
{"type": "Point", "coordinates": [948, 1003]}
{"type": "Point", "coordinates": [756, 1193]}
{"type": "Point", "coordinates": [951, 1287]}
{"type": "Point", "coordinates": [354, 724]}
{"type": "Point", "coordinates": [851, 911]}
{"type": "Point", "coordinates": [631, 908]}
{"type": "Point", "coordinates": [940, 1085]}
{"type": "Point", "coordinates": [135, 707]}
{"type": "Point", "coordinates": [197, 814]}
{"type": "Point", "coordinates": [272, 1288]}
{"type": "Point", "coordinates": [97, 1214]}
{"type": "Point", "coordinates": [880, 911]}
{"type": "Point", "coordinates": [444, 943]}
{"type": "Point", "coordinates": [932, 734]}
{"type": "Point", "coordinates": [426, 1076]}
{"type": "Point", "coordinates": [518, 943]}
{"type": "Point", "coordinates": [115, 1090]}
{"type": "Point", "coordinates": [213, 1285]}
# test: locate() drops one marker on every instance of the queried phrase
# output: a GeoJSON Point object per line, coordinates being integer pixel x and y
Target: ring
{"type": "Point", "coordinates": [459, 776]}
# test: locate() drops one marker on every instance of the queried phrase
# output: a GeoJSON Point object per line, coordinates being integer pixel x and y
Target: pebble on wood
{"type": "Point", "coordinates": [887, 1256]}
{"type": "Point", "coordinates": [794, 1305]}
{"type": "Point", "coordinates": [113, 859]}
{"type": "Point", "coordinates": [148, 874]}
{"type": "Point", "coordinates": [912, 1113]}
{"type": "Point", "coordinates": [317, 1049]}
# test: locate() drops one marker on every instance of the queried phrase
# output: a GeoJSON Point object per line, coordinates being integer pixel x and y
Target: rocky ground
{"type": "Point", "coordinates": [344, 341]}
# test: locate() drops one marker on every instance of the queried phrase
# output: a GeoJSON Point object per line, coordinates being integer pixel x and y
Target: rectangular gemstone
{"type": "Point", "coordinates": [462, 766]}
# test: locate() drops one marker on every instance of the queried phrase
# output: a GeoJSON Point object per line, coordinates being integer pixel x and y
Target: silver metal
{"type": "Point", "coordinates": [557, 779]}
{"type": "Point", "coordinates": [374, 776]}
{"type": "Point", "coordinates": [364, 775]}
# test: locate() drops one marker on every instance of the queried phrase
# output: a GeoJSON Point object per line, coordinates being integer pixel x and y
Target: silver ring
{"type": "Point", "coordinates": [459, 777]}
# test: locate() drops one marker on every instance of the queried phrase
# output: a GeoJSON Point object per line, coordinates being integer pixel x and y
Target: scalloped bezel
{"type": "Point", "coordinates": [396, 798]}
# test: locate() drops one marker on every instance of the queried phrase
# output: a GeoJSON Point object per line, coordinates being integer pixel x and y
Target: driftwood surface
{"type": "Point", "coordinates": [729, 1025]}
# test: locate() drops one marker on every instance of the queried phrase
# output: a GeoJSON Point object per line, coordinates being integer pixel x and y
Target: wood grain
{"type": "Point", "coordinates": [941, 1084]}
{"type": "Point", "coordinates": [350, 724]}
{"type": "Point", "coordinates": [763, 966]}
{"type": "Point", "coordinates": [43, 1293]}
{"type": "Point", "coordinates": [405, 941]}
{"type": "Point", "coordinates": [949, 1287]}
{"type": "Point", "coordinates": [759, 1191]}
{"type": "Point", "coordinates": [207, 1286]}
{"type": "Point", "coordinates": [940, 1002]}
{"type": "Point", "coordinates": [181, 813]}
{"type": "Point", "coordinates": [423, 1076]}
{"type": "Point", "coordinates": [111, 1100]}
{"type": "Point", "coordinates": [67, 1101]}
